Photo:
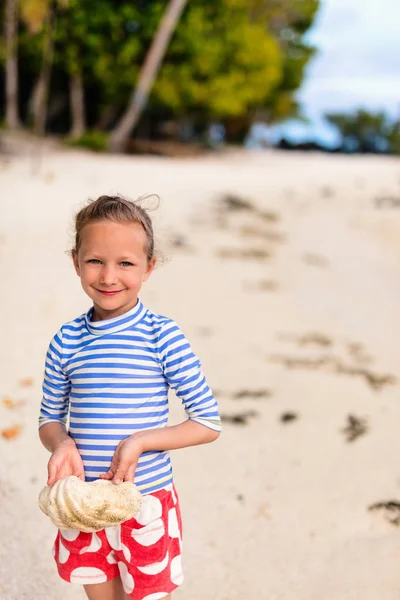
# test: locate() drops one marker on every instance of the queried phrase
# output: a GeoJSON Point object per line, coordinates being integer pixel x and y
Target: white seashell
{"type": "Point", "coordinates": [74, 504]}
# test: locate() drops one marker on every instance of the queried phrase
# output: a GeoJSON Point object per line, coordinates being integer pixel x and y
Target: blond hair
{"type": "Point", "coordinates": [119, 210]}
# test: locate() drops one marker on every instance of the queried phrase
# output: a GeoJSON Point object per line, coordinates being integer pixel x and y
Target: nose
{"type": "Point", "coordinates": [108, 275]}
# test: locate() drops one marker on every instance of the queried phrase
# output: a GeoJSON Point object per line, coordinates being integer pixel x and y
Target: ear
{"type": "Point", "coordinates": [150, 268]}
{"type": "Point", "coordinates": [76, 263]}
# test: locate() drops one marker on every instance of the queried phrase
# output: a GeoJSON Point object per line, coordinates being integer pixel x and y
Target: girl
{"type": "Point", "coordinates": [108, 373]}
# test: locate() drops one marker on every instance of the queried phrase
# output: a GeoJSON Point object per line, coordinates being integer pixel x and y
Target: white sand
{"type": "Point", "coordinates": [271, 510]}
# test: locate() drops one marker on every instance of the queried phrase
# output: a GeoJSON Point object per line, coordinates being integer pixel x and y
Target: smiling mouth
{"type": "Point", "coordinates": [109, 293]}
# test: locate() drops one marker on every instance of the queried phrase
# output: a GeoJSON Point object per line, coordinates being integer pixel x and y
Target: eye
{"type": "Point", "coordinates": [126, 263]}
{"type": "Point", "coordinates": [94, 261]}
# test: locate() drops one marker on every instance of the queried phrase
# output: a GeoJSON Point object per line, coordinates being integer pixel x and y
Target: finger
{"type": "Point", "coordinates": [129, 475]}
{"type": "Point", "coordinates": [51, 473]}
{"type": "Point", "coordinates": [80, 474]}
{"type": "Point", "coordinates": [64, 470]}
{"type": "Point", "coordinates": [114, 464]}
{"type": "Point", "coordinates": [116, 459]}
{"type": "Point", "coordinates": [110, 473]}
{"type": "Point", "coordinates": [79, 469]}
{"type": "Point", "coordinates": [120, 472]}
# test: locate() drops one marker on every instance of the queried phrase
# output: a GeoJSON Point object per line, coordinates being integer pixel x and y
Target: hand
{"type": "Point", "coordinates": [65, 461]}
{"type": "Point", "coordinates": [124, 461]}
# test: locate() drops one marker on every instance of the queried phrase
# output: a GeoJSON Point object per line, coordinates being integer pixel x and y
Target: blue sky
{"type": "Point", "coordinates": [357, 65]}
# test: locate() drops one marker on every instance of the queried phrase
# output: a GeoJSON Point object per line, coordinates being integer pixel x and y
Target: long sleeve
{"type": "Point", "coordinates": [56, 386]}
{"type": "Point", "coordinates": [182, 370]}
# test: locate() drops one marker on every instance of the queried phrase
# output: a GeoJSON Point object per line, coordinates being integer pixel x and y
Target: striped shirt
{"type": "Point", "coordinates": [109, 379]}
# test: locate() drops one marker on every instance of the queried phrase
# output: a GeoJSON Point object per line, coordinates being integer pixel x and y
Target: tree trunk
{"type": "Point", "coordinates": [107, 116]}
{"type": "Point", "coordinates": [40, 93]}
{"type": "Point", "coordinates": [11, 68]}
{"type": "Point", "coordinates": [77, 99]}
{"type": "Point", "coordinates": [121, 132]}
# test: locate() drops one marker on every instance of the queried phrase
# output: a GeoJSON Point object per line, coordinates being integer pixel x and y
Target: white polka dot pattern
{"type": "Point", "coordinates": [113, 535]}
{"type": "Point", "coordinates": [176, 570]}
{"type": "Point", "coordinates": [70, 534]}
{"type": "Point", "coordinates": [85, 575]}
{"type": "Point", "coordinates": [127, 553]}
{"type": "Point", "coordinates": [126, 578]}
{"type": "Point", "coordinates": [94, 546]}
{"type": "Point", "coordinates": [155, 567]}
{"type": "Point", "coordinates": [173, 527]}
{"type": "Point", "coordinates": [173, 495]}
{"type": "Point", "coordinates": [144, 552]}
{"type": "Point", "coordinates": [150, 511]}
{"type": "Point", "coordinates": [63, 553]}
{"type": "Point", "coordinates": [111, 558]}
{"type": "Point", "coordinates": [150, 534]}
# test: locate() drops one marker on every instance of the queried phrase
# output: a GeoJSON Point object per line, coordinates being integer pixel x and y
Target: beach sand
{"type": "Point", "coordinates": [283, 271]}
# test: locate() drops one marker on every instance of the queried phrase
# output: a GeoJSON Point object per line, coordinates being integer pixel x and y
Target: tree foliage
{"type": "Point", "coordinates": [228, 60]}
{"type": "Point", "coordinates": [363, 131]}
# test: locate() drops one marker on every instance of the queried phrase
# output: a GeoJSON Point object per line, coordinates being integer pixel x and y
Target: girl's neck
{"type": "Point", "coordinates": [99, 314]}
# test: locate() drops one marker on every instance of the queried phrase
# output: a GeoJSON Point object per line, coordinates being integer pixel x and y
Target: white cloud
{"type": "Point", "coordinates": [358, 60]}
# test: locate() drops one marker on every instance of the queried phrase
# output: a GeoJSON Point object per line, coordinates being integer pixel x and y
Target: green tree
{"type": "Point", "coordinates": [121, 132]}
{"type": "Point", "coordinates": [39, 17]}
{"type": "Point", "coordinates": [394, 138]}
{"type": "Point", "coordinates": [220, 65]}
{"type": "Point", "coordinates": [11, 62]}
{"type": "Point", "coordinates": [234, 60]}
{"type": "Point", "coordinates": [106, 51]}
{"type": "Point", "coordinates": [227, 61]}
{"type": "Point", "coordinates": [288, 21]}
{"type": "Point", "coordinates": [73, 28]}
{"type": "Point", "coordinates": [364, 131]}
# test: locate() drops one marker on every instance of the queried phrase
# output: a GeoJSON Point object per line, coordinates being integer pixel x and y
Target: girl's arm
{"type": "Point", "coordinates": [189, 433]}
{"type": "Point", "coordinates": [53, 435]}
{"type": "Point", "coordinates": [65, 459]}
{"type": "Point", "coordinates": [182, 371]}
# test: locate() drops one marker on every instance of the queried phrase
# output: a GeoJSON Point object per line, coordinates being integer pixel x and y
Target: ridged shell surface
{"type": "Point", "coordinates": [89, 506]}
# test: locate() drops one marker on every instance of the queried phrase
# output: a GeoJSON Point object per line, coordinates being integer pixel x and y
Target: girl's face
{"type": "Point", "coordinates": [112, 265]}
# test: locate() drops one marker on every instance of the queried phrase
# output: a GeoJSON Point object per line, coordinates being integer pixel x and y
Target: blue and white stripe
{"type": "Point", "coordinates": [108, 379]}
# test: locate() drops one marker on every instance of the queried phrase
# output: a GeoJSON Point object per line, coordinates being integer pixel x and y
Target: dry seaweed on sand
{"type": "Point", "coordinates": [375, 380]}
{"type": "Point", "coordinates": [327, 191]}
{"type": "Point", "coordinates": [245, 253]}
{"type": "Point", "coordinates": [307, 339]}
{"type": "Point", "coordinates": [248, 231]}
{"type": "Point", "coordinates": [180, 242]}
{"type": "Point", "coordinates": [391, 510]}
{"type": "Point", "coordinates": [265, 285]}
{"type": "Point", "coordinates": [269, 215]}
{"type": "Point", "coordinates": [387, 202]}
{"type": "Point", "coordinates": [288, 417]}
{"type": "Point", "coordinates": [252, 394]}
{"type": "Point", "coordinates": [296, 362]}
{"type": "Point", "coordinates": [241, 418]}
{"type": "Point", "coordinates": [358, 353]}
{"type": "Point", "coordinates": [234, 203]}
{"type": "Point", "coordinates": [315, 260]}
{"type": "Point", "coordinates": [318, 339]}
{"type": "Point", "coordinates": [268, 285]}
{"type": "Point", "coordinates": [355, 428]}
